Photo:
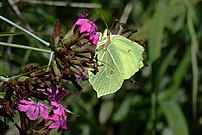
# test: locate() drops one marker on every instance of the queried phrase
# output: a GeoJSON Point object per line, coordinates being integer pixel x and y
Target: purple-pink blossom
{"type": "Point", "coordinates": [58, 109]}
{"type": "Point", "coordinates": [33, 109]}
{"type": "Point", "coordinates": [94, 39]}
{"type": "Point", "coordinates": [58, 117]}
{"type": "Point", "coordinates": [56, 93]}
{"type": "Point", "coordinates": [57, 122]}
{"type": "Point", "coordinates": [90, 30]}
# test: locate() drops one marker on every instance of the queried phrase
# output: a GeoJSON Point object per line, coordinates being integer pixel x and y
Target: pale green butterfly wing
{"type": "Point", "coordinates": [130, 53]}
{"type": "Point", "coordinates": [109, 78]}
{"type": "Point", "coordinates": [120, 59]}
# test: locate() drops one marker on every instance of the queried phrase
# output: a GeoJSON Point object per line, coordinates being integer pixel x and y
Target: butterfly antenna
{"type": "Point", "coordinates": [114, 20]}
{"type": "Point", "coordinates": [105, 24]}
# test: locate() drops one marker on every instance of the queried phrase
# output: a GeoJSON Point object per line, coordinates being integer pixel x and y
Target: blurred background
{"type": "Point", "coordinates": [163, 98]}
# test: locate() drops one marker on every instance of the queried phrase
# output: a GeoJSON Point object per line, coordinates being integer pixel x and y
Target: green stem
{"type": "Point", "coordinates": [50, 61]}
{"type": "Point", "coordinates": [26, 31]}
{"type": "Point", "coordinates": [24, 47]}
{"type": "Point", "coordinates": [6, 79]}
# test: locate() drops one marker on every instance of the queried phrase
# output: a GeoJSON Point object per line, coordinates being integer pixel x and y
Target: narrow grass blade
{"type": "Point", "coordinates": [178, 76]}
{"type": "Point", "coordinates": [194, 50]}
{"type": "Point", "coordinates": [175, 117]}
{"type": "Point", "coordinates": [156, 32]}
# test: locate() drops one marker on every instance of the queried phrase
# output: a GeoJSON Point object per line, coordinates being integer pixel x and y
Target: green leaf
{"type": "Point", "coordinates": [121, 58]}
{"type": "Point", "coordinates": [194, 51]}
{"type": "Point", "coordinates": [156, 32]}
{"type": "Point", "coordinates": [175, 117]}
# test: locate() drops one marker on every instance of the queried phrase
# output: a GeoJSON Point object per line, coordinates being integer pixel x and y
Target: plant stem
{"type": "Point", "coordinates": [50, 61]}
{"type": "Point", "coordinates": [26, 31]}
{"type": "Point", "coordinates": [24, 47]}
{"type": "Point", "coordinates": [6, 79]}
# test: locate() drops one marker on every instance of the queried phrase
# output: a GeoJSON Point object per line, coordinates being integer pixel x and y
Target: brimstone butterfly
{"type": "Point", "coordinates": [120, 58]}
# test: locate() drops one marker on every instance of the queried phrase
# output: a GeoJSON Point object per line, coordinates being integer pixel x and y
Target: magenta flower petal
{"type": "Point", "coordinates": [43, 111]}
{"type": "Point", "coordinates": [57, 122]}
{"type": "Point", "coordinates": [55, 104]}
{"type": "Point", "coordinates": [85, 27]}
{"type": "Point", "coordinates": [64, 125]}
{"type": "Point", "coordinates": [58, 117]}
{"type": "Point", "coordinates": [26, 102]}
{"type": "Point", "coordinates": [56, 93]}
{"type": "Point", "coordinates": [90, 30]}
{"type": "Point", "coordinates": [54, 117]}
{"type": "Point", "coordinates": [33, 113]}
{"type": "Point", "coordinates": [23, 107]}
{"type": "Point", "coordinates": [33, 109]}
{"type": "Point", "coordinates": [59, 110]}
{"type": "Point", "coordinates": [54, 125]}
{"type": "Point", "coordinates": [94, 39]}
{"type": "Point", "coordinates": [81, 21]}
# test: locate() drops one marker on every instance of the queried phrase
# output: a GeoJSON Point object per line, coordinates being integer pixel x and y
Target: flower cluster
{"type": "Point", "coordinates": [73, 52]}
{"type": "Point", "coordinates": [58, 117]}
{"type": "Point", "coordinates": [54, 114]}
{"type": "Point", "coordinates": [36, 92]}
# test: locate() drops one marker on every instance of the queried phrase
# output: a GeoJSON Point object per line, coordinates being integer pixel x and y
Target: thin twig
{"type": "Point", "coordinates": [50, 61]}
{"type": "Point", "coordinates": [125, 15]}
{"type": "Point", "coordinates": [19, 14]}
{"type": "Point", "coordinates": [63, 4]}
{"type": "Point", "coordinates": [26, 31]}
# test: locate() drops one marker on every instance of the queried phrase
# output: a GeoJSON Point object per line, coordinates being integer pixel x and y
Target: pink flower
{"type": "Point", "coordinates": [56, 93]}
{"type": "Point", "coordinates": [89, 28]}
{"type": "Point", "coordinates": [94, 39]}
{"type": "Point", "coordinates": [86, 26]}
{"type": "Point", "coordinates": [58, 109]}
{"type": "Point", "coordinates": [58, 117]}
{"type": "Point", "coordinates": [33, 109]}
{"type": "Point", "coordinates": [57, 122]}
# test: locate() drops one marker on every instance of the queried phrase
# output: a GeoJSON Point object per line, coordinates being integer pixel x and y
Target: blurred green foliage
{"type": "Point", "coordinates": [162, 100]}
